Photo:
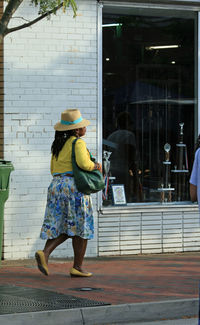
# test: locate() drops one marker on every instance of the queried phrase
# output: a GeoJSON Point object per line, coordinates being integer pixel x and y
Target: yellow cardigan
{"type": "Point", "coordinates": [64, 162]}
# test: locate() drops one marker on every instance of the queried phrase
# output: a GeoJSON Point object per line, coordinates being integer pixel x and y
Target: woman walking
{"type": "Point", "coordinates": [68, 212]}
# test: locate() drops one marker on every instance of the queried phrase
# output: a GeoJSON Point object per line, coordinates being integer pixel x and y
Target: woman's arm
{"type": "Point", "coordinates": [193, 192]}
{"type": "Point", "coordinates": [83, 157]}
{"type": "Point", "coordinates": [194, 177]}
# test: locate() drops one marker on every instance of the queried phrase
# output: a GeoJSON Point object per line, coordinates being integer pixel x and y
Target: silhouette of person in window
{"type": "Point", "coordinates": [123, 161]}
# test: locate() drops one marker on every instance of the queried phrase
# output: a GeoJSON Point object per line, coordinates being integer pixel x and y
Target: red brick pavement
{"type": "Point", "coordinates": [116, 280]}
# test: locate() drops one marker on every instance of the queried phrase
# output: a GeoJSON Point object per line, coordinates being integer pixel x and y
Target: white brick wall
{"type": "Point", "coordinates": [49, 67]}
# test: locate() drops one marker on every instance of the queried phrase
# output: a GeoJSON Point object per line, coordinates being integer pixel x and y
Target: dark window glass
{"type": "Point", "coordinates": [149, 105]}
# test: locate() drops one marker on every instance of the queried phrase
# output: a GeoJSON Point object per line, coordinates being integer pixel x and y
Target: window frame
{"type": "Point", "coordinates": [108, 5]}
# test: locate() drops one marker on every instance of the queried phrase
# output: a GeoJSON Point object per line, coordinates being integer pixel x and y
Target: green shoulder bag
{"type": "Point", "coordinates": [87, 182]}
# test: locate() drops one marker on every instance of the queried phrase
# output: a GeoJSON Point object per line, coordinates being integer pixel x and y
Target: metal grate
{"type": "Point", "coordinates": [15, 299]}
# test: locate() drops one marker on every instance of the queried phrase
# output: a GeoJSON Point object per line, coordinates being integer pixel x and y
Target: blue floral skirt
{"type": "Point", "coordinates": [67, 211]}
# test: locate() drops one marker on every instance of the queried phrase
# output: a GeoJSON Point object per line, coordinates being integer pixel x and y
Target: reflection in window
{"type": "Point", "coordinates": [148, 105]}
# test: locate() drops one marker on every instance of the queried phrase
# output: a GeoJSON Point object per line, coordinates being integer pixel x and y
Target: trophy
{"type": "Point", "coordinates": [181, 132]}
{"type": "Point", "coordinates": [106, 162]}
{"type": "Point", "coordinates": [106, 167]}
{"type": "Point", "coordinates": [166, 184]}
{"type": "Point", "coordinates": [180, 170]}
{"type": "Point", "coordinates": [166, 164]}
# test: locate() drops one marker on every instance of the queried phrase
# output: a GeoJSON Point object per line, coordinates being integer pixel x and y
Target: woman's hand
{"type": "Point", "coordinates": [98, 166]}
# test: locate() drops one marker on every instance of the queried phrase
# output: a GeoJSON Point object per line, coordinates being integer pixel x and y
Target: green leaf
{"type": "Point", "coordinates": [48, 5]}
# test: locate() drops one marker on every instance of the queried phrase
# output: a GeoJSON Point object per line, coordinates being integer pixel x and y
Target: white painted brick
{"type": "Point", "coordinates": [151, 250]}
{"type": "Point", "coordinates": [172, 226]}
{"type": "Point", "coordinates": [8, 255]}
{"type": "Point", "coordinates": [10, 123]}
{"type": "Point", "coordinates": [172, 231]}
{"type": "Point", "coordinates": [109, 244]}
{"type": "Point", "coordinates": [192, 225]}
{"type": "Point", "coordinates": [129, 230]}
{"type": "Point", "coordinates": [110, 250]}
{"type": "Point", "coordinates": [109, 253]}
{"type": "Point", "coordinates": [108, 238]}
{"type": "Point", "coordinates": [191, 235]}
{"type": "Point", "coordinates": [149, 227]}
{"type": "Point", "coordinates": [191, 248]}
{"type": "Point", "coordinates": [41, 86]}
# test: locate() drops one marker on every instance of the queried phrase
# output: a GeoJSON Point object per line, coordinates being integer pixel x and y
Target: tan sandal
{"type": "Point", "coordinates": [75, 273]}
{"type": "Point", "coordinates": [41, 262]}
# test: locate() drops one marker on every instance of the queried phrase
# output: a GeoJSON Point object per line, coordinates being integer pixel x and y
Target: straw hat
{"type": "Point", "coordinates": [71, 119]}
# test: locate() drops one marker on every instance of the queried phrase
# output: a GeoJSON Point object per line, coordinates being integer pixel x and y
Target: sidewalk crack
{"type": "Point", "coordinates": [83, 321]}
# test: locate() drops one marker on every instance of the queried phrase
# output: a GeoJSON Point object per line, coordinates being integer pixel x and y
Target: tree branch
{"type": "Point", "coordinates": [22, 18]}
{"type": "Point", "coordinates": [8, 13]}
{"type": "Point", "coordinates": [10, 30]}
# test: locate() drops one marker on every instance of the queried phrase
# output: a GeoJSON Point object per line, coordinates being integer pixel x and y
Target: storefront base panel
{"type": "Point", "coordinates": [124, 231]}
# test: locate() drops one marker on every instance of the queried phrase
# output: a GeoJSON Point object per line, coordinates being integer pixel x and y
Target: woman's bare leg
{"type": "Point", "coordinates": [79, 246]}
{"type": "Point", "coordinates": [51, 244]}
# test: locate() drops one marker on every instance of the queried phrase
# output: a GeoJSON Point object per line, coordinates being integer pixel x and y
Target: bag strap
{"type": "Point", "coordinates": [73, 150]}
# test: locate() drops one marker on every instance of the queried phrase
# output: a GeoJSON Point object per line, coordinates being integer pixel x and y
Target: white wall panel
{"type": "Point", "coordinates": [143, 233]}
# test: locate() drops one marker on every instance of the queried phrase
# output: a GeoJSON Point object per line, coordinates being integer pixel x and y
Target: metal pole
{"type": "Point", "coordinates": [100, 90]}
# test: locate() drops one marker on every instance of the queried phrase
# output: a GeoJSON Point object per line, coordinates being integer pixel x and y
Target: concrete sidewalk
{"type": "Point", "coordinates": [138, 288]}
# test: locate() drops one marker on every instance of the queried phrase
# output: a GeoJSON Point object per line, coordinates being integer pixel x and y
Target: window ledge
{"type": "Point", "coordinates": [150, 207]}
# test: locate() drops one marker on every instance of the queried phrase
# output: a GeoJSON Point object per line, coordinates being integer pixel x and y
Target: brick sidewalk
{"type": "Point", "coordinates": [116, 280]}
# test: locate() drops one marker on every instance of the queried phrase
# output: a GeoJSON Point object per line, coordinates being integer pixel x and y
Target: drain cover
{"type": "Point", "coordinates": [86, 289]}
{"type": "Point", "coordinates": [15, 299]}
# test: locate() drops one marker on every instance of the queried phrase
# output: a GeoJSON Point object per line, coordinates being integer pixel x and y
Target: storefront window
{"type": "Point", "coordinates": [149, 105]}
